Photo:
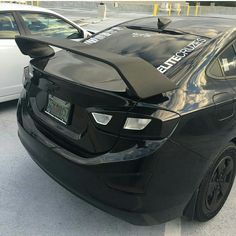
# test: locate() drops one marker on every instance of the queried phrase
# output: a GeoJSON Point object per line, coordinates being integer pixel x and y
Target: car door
{"type": "Point", "coordinates": [12, 60]}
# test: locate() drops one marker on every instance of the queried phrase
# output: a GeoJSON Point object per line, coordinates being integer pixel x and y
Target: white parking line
{"type": "Point", "coordinates": [173, 228]}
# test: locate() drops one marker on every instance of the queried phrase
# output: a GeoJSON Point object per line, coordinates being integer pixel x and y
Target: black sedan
{"type": "Point", "coordinates": [138, 119]}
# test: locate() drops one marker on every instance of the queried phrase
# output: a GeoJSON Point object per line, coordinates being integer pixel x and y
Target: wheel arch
{"type": "Point", "coordinates": [190, 208]}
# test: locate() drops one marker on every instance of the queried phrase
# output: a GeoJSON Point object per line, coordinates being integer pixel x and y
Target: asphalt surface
{"type": "Point", "coordinates": [31, 203]}
{"type": "Point", "coordinates": [90, 20]}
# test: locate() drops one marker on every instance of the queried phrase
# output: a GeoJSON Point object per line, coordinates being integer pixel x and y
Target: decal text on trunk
{"type": "Point", "coordinates": [181, 54]}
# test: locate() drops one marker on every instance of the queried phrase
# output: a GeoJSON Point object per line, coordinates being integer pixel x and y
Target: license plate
{"type": "Point", "coordinates": [58, 109]}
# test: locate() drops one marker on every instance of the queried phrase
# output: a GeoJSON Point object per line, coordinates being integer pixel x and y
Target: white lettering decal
{"type": "Point", "coordinates": [162, 69]}
{"type": "Point", "coordinates": [103, 35]}
{"type": "Point", "coordinates": [180, 55]}
{"type": "Point", "coordinates": [143, 35]}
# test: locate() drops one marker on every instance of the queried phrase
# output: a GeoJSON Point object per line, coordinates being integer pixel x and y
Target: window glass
{"type": "Point", "coordinates": [8, 27]}
{"type": "Point", "coordinates": [50, 26]}
{"type": "Point", "coordinates": [228, 62]}
{"type": "Point", "coordinates": [215, 69]}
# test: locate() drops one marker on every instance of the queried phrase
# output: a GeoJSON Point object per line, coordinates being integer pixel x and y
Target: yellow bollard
{"type": "Point", "coordinates": [178, 9]}
{"type": "Point", "coordinates": [170, 6]}
{"type": "Point", "coordinates": [197, 9]}
{"type": "Point", "coordinates": [155, 9]}
{"type": "Point", "coordinates": [188, 10]}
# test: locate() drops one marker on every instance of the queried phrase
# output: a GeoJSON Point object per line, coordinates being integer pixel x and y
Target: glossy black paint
{"type": "Point", "coordinates": [144, 177]}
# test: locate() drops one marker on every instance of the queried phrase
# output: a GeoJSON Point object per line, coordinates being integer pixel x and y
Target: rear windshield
{"type": "Point", "coordinates": [163, 50]}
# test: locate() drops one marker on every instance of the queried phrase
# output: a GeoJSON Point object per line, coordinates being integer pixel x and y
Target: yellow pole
{"type": "Point", "coordinates": [178, 9]}
{"type": "Point", "coordinates": [196, 10]}
{"type": "Point", "coordinates": [188, 10]}
{"type": "Point", "coordinates": [170, 5]}
{"type": "Point", "coordinates": [155, 9]}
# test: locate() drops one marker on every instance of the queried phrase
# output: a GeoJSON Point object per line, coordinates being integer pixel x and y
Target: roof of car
{"type": "Point", "coordinates": [21, 7]}
{"type": "Point", "coordinates": [203, 26]}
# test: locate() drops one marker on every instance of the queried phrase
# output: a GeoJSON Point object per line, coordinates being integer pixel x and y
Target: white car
{"type": "Point", "coordinates": [16, 19]}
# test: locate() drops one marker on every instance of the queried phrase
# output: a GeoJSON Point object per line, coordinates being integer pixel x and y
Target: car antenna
{"type": "Point", "coordinates": [163, 22]}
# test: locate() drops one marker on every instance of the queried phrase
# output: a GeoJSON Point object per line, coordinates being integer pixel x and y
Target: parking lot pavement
{"type": "Point", "coordinates": [90, 21]}
{"type": "Point", "coordinates": [31, 203]}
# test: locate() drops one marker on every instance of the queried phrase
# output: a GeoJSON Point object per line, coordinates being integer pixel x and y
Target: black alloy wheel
{"type": "Point", "coordinates": [216, 185]}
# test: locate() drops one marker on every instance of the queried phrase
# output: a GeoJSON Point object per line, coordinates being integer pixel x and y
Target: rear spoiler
{"type": "Point", "coordinates": [142, 79]}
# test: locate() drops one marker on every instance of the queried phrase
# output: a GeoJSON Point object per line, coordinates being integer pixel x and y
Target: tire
{"type": "Point", "coordinates": [216, 185]}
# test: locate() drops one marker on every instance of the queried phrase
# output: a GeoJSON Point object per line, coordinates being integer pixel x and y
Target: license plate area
{"type": "Point", "coordinates": [58, 109]}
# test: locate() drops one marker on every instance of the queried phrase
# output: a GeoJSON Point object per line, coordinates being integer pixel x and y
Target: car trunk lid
{"type": "Point", "coordinates": [79, 132]}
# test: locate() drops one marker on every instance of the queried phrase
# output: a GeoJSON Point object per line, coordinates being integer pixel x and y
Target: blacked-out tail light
{"type": "Point", "coordinates": [28, 75]}
{"type": "Point", "coordinates": [100, 118]}
{"type": "Point", "coordinates": [136, 123]}
{"type": "Point", "coordinates": [156, 125]}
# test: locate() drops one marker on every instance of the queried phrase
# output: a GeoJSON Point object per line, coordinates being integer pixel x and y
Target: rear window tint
{"type": "Point", "coordinates": [215, 69]}
{"type": "Point", "coordinates": [162, 50]}
{"type": "Point", "coordinates": [228, 62]}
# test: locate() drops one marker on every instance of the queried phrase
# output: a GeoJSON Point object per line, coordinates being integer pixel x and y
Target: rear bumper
{"type": "Point", "coordinates": [148, 190]}
{"type": "Point", "coordinates": [78, 180]}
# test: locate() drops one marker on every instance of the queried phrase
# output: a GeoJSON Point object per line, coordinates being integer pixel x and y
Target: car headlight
{"type": "Point", "coordinates": [102, 119]}
{"type": "Point", "coordinates": [136, 123]}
